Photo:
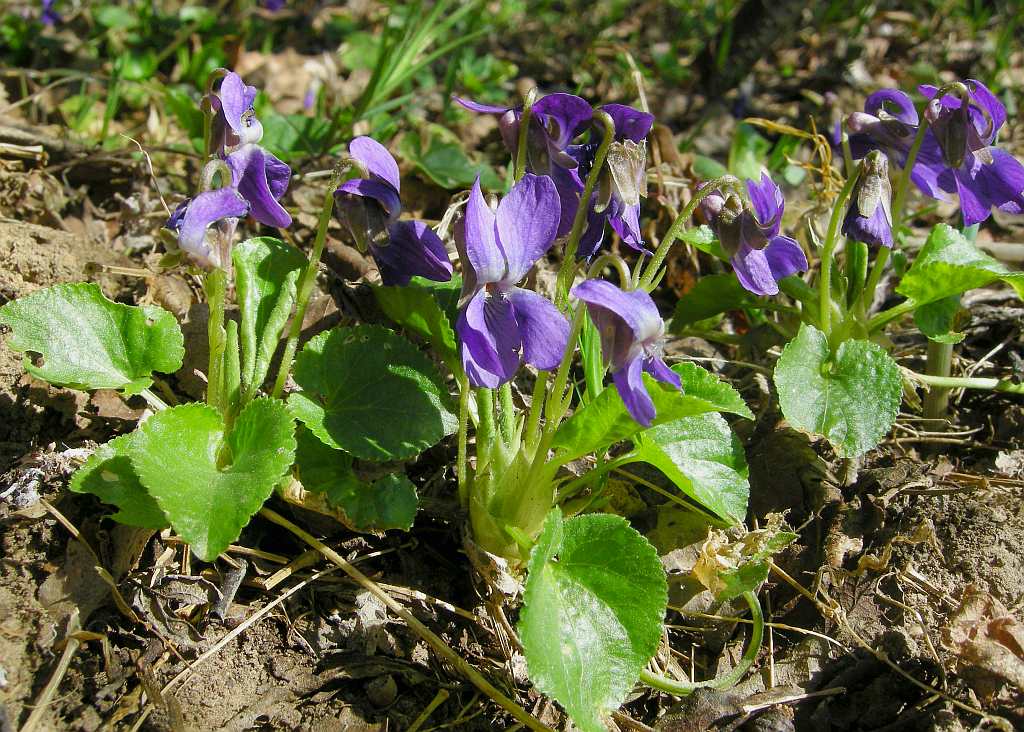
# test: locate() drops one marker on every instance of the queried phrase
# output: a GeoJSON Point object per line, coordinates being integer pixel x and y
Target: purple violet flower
{"type": "Point", "coordinates": [370, 208]}
{"type": "Point", "coordinates": [49, 16]}
{"type": "Point", "coordinates": [500, 325]}
{"type": "Point", "coordinates": [958, 155]}
{"type": "Point", "coordinates": [258, 181]}
{"type": "Point", "coordinates": [273, 5]}
{"type": "Point", "coordinates": [623, 181]}
{"type": "Point", "coordinates": [869, 215]}
{"type": "Point", "coordinates": [760, 255]}
{"type": "Point", "coordinates": [631, 331]}
{"type": "Point", "coordinates": [555, 121]}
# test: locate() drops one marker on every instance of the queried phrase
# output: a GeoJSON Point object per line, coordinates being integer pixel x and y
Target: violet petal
{"type": "Point", "coordinates": [527, 221]}
{"type": "Point", "coordinates": [543, 328]}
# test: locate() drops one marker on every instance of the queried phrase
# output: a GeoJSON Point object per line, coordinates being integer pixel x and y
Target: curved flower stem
{"type": "Point", "coordinates": [524, 128]}
{"type": "Point", "coordinates": [307, 280]}
{"type": "Point", "coordinates": [615, 261]}
{"type": "Point", "coordinates": [684, 688]}
{"type": "Point", "coordinates": [899, 204]}
{"type": "Point", "coordinates": [965, 382]}
{"type": "Point", "coordinates": [440, 647]}
{"type": "Point", "coordinates": [572, 245]}
{"type": "Point", "coordinates": [677, 227]}
{"type": "Point", "coordinates": [558, 400]}
{"type": "Point", "coordinates": [825, 276]}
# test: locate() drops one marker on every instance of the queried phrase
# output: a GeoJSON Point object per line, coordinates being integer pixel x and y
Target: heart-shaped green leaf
{"type": "Point", "coordinates": [88, 342]}
{"type": "Point", "coordinates": [605, 421]}
{"type": "Point", "coordinates": [592, 616]}
{"type": "Point", "coordinates": [371, 393]}
{"type": "Point", "coordinates": [851, 397]}
{"type": "Point", "coordinates": [110, 476]}
{"type": "Point", "coordinates": [704, 459]}
{"type": "Point", "coordinates": [387, 503]}
{"type": "Point", "coordinates": [266, 275]}
{"type": "Point", "coordinates": [426, 308]}
{"type": "Point", "coordinates": [209, 481]}
{"type": "Point", "coordinates": [949, 264]}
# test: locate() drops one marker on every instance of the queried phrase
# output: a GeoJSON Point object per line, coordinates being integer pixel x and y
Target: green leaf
{"type": "Point", "coordinates": [388, 503]}
{"type": "Point", "coordinates": [592, 617]}
{"type": "Point", "coordinates": [942, 320]}
{"type": "Point", "coordinates": [851, 398]}
{"type": "Point", "coordinates": [109, 475]}
{"type": "Point", "coordinates": [266, 279]}
{"type": "Point", "coordinates": [702, 238]}
{"type": "Point", "coordinates": [748, 153]}
{"type": "Point", "coordinates": [713, 294]}
{"type": "Point", "coordinates": [426, 308]}
{"type": "Point", "coordinates": [442, 158]}
{"type": "Point", "coordinates": [370, 392]}
{"type": "Point", "coordinates": [949, 264]}
{"type": "Point", "coordinates": [88, 342]}
{"type": "Point", "coordinates": [210, 481]}
{"type": "Point", "coordinates": [605, 421]}
{"type": "Point", "coordinates": [704, 459]}
{"type": "Point", "coordinates": [291, 135]}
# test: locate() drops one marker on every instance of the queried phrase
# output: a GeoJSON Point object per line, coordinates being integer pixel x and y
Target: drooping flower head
{"type": "Point", "coordinates": [500, 324]}
{"type": "Point", "coordinates": [258, 180]}
{"type": "Point", "coordinates": [958, 154]}
{"type": "Point", "coordinates": [370, 207]}
{"type": "Point", "coordinates": [623, 180]}
{"type": "Point", "coordinates": [869, 215]}
{"type": "Point", "coordinates": [757, 251]}
{"type": "Point", "coordinates": [555, 121]}
{"type": "Point", "coordinates": [631, 330]}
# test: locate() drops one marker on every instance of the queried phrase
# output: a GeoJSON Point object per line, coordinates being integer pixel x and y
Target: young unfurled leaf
{"type": "Point", "coordinates": [110, 476]}
{"type": "Point", "coordinates": [427, 308]}
{"type": "Point", "coordinates": [605, 421]}
{"type": "Point", "coordinates": [703, 458]}
{"type": "Point", "coordinates": [593, 610]}
{"type": "Point", "coordinates": [370, 392]}
{"type": "Point", "coordinates": [266, 275]}
{"type": "Point", "coordinates": [88, 342]}
{"type": "Point", "coordinates": [713, 294]}
{"type": "Point", "coordinates": [851, 397]}
{"type": "Point", "coordinates": [209, 481]}
{"type": "Point", "coordinates": [387, 503]}
{"type": "Point", "coordinates": [949, 264]}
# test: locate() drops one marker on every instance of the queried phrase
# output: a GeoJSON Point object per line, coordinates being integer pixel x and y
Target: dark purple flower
{"type": "Point", "coordinates": [49, 16]}
{"type": "Point", "coordinates": [869, 215]}
{"type": "Point", "coordinates": [760, 255]}
{"type": "Point", "coordinates": [631, 331]}
{"type": "Point", "coordinates": [555, 121]}
{"type": "Point", "coordinates": [261, 179]}
{"type": "Point", "coordinates": [958, 156]}
{"type": "Point", "coordinates": [370, 208]}
{"type": "Point", "coordinates": [273, 5]}
{"type": "Point", "coordinates": [500, 324]}
{"type": "Point", "coordinates": [623, 180]}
